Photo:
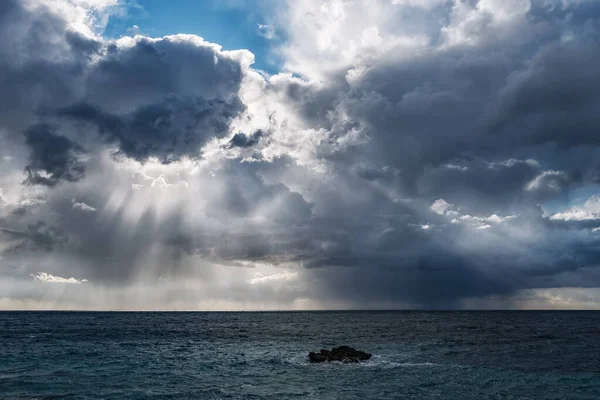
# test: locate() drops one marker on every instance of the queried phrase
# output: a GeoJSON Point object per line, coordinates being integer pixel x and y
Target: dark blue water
{"type": "Point", "coordinates": [417, 355]}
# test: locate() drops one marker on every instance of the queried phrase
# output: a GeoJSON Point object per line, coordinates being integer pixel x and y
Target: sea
{"type": "Point", "coordinates": [263, 355]}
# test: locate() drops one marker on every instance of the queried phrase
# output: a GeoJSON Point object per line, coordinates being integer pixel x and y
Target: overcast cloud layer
{"type": "Point", "coordinates": [411, 154]}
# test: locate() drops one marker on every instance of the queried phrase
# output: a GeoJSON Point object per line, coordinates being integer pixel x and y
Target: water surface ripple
{"type": "Point", "coordinates": [417, 355]}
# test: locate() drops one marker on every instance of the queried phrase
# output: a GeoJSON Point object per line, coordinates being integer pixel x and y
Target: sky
{"type": "Point", "coordinates": [301, 154]}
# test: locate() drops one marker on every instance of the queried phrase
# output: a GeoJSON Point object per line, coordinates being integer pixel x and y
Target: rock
{"type": "Point", "coordinates": [343, 354]}
{"type": "Point", "coordinates": [316, 357]}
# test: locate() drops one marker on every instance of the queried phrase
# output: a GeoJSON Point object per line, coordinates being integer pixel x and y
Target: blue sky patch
{"type": "Point", "coordinates": [234, 26]}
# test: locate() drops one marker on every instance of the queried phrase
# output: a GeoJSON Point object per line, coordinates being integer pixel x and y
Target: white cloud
{"type": "Point", "coordinates": [135, 31]}
{"type": "Point", "coordinates": [80, 206]}
{"type": "Point", "coordinates": [441, 207]}
{"type": "Point", "coordinates": [326, 36]}
{"type": "Point", "coordinates": [472, 24]}
{"type": "Point", "coordinates": [285, 276]}
{"type": "Point", "coordinates": [49, 278]}
{"type": "Point", "coordinates": [458, 167]}
{"type": "Point", "coordinates": [89, 17]}
{"type": "Point", "coordinates": [505, 9]}
{"type": "Point", "coordinates": [548, 180]}
{"type": "Point", "coordinates": [31, 202]}
{"type": "Point", "coordinates": [161, 182]}
{"type": "Point", "coordinates": [267, 31]}
{"type": "Point", "coordinates": [590, 210]}
{"type": "Point", "coordinates": [494, 218]}
{"type": "Point", "coordinates": [427, 4]}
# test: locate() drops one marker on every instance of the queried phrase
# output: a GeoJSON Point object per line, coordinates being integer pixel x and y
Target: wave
{"type": "Point", "coordinates": [376, 361]}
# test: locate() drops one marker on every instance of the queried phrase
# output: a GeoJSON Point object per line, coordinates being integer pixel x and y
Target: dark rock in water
{"type": "Point", "coordinates": [343, 354]}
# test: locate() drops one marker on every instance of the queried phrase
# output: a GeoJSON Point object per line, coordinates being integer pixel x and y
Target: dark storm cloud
{"type": "Point", "coordinates": [487, 101]}
{"type": "Point", "coordinates": [148, 70]}
{"type": "Point", "coordinates": [105, 122]}
{"type": "Point", "coordinates": [44, 236]}
{"type": "Point", "coordinates": [510, 186]}
{"type": "Point", "coordinates": [42, 61]}
{"type": "Point", "coordinates": [161, 98]}
{"type": "Point", "coordinates": [436, 280]}
{"type": "Point", "coordinates": [167, 130]}
{"type": "Point", "coordinates": [52, 157]}
{"type": "Point", "coordinates": [38, 235]}
{"type": "Point", "coordinates": [556, 98]}
{"type": "Point", "coordinates": [461, 124]}
{"type": "Point", "coordinates": [243, 140]}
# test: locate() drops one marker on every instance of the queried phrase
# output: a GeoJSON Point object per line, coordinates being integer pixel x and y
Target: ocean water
{"type": "Point", "coordinates": [417, 355]}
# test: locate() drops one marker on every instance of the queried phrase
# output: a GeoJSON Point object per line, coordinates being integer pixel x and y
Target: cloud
{"type": "Point", "coordinates": [590, 210]}
{"type": "Point", "coordinates": [157, 114]}
{"type": "Point", "coordinates": [553, 181]}
{"type": "Point", "coordinates": [49, 278]}
{"type": "Point", "coordinates": [53, 157]}
{"type": "Point", "coordinates": [39, 235]}
{"type": "Point", "coordinates": [441, 207]}
{"type": "Point", "coordinates": [80, 206]}
{"type": "Point", "coordinates": [403, 157]}
{"type": "Point", "coordinates": [242, 140]}
{"type": "Point", "coordinates": [267, 31]}
{"type": "Point", "coordinates": [285, 276]}
{"type": "Point", "coordinates": [420, 3]}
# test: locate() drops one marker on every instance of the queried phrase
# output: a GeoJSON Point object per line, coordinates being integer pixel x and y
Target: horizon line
{"type": "Point", "coordinates": [305, 311]}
